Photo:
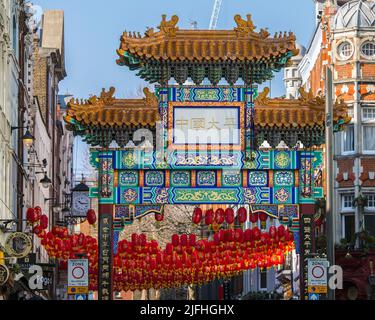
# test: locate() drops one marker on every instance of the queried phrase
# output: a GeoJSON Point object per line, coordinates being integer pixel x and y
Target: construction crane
{"type": "Point", "coordinates": [215, 14]}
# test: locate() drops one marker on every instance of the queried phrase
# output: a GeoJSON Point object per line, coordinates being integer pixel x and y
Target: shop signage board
{"type": "Point", "coordinates": [78, 273]}
{"type": "Point", "coordinates": [18, 244]}
{"type": "Point", "coordinates": [26, 262]}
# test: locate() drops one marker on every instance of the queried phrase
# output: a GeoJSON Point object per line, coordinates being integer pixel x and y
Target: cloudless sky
{"type": "Point", "coordinates": [93, 29]}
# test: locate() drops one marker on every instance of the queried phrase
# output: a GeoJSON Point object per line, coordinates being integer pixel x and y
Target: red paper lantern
{"type": "Point", "coordinates": [242, 215]}
{"type": "Point", "coordinates": [37, 230]}
{"type": "Point", "coordinates": [281, 231]}
{"type": "Point", "coordinates": [272, 232]}
{"type": "Point", "coordinates": [159, 217]}
{"type": "Point", "coordinates": [175, 240]}
{"type": "Point", "coordinates": [38, 212]}
{"type": "Point", "coordinates": [184, 240]}
{"type": "Point", "coordinates": [256, 233]}
{"type": "Point", "coordinates": [91, 216]}
{"type": "Point", "coordinates": [43, 221]}
{"type": "Point", "coordinates": [197, 216]}
{"type": "Point", "coordinates": [192, 239]}
{"type": "Point", "coordinates": [31, 215]}
{"type": "Point", "coordinates": [254, 217]}
{"type": "Point", "coordinates": [220, 216]}
{"type": "Point", "coordinates": [263, 218]}
{"type": "Point", "coordinates": [229, 215]}
{"type": "Point", "coordinates": [209, 217]}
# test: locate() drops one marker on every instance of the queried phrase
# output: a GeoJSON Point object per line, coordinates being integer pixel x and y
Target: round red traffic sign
{"type": "Point", "coordinates": [78, 272]}
{"type": "Point", "coordinates": [317, 272]}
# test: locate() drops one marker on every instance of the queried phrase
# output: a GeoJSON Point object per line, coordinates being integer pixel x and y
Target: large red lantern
{"type": "Point", "coordinates": [91, 216]}
{"type": "Point", "coordinates": [229, 215]}
{"type": "Point", "coordinates": [242, 215]}
{"type": "Point", "coordinates": [197, 215]}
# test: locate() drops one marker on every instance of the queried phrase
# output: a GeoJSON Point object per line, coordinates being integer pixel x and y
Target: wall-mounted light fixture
{"type": "Point", "coordinates": [27, 138]}
{"type": "Point", "coordinates": [46, 182]}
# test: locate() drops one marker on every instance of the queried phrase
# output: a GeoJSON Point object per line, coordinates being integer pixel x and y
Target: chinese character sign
{"type": "Point", "coordinates": [105, 256]}
{"type": "Point", "coordinates": [206, 125]}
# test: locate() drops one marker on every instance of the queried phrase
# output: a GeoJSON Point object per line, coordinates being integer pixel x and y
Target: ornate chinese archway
{"type": "Point", "coordinates": [171, 168]}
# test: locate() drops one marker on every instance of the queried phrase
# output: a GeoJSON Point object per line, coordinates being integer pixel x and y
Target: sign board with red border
{"type": "Point", "coordinates": [317, 272]}
{"type": "Point", "coordinates": [78, 273]}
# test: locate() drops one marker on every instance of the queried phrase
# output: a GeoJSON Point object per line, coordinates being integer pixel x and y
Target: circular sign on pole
{"type": "Point", "coordinates": [18, 245]}
{"type": "Point", "coordinates": [4, 274]}
{"type": "Point", "coordinates": [318, 272]}
{"type": "Point", "coordinates": [78, 272]}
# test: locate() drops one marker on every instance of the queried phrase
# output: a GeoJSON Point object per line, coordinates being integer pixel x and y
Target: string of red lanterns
{"type": "Point", "coordinates": [142, 264]}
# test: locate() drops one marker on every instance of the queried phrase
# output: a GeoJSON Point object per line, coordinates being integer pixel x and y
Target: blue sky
{"type": "Point", "coordinates": [93, 29]}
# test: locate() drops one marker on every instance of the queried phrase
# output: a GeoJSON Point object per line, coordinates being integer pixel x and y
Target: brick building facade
{"type": "Point", "coordinates": [345, 39]}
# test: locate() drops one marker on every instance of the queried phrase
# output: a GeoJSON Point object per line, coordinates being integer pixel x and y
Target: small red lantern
{"type": "Point", "coordinates": [229, 215]}
{"type": "Point", "coordinates": [281, 231]}
{"type": "Point", "coordinates": [209, 218]}
{"type": "Point", "coordinates": [31, 215]}
{"type": "Point", "coordinates": [37, 230]}
{"type": "Point", "coordinates": [175, 240]}
{"type": "Point", "coordinates": [197, 215]}
{"type": "Point", "coordinates": [159, 217]}
{"type": "Point", "coordinates": [220, 216]}
{"type": "Point", "coordinates": [43, 221]}
{"type": "Point", "coordinates": [192, 239]}
{"type": "Point", "coordinates": [263, 219]}
{"type": "Point", "coordinates": [242, 215]}
{"type": "Point", "coordinates": [38, 212]}
{"type": "Point", "coordinates": [253, 217]}
{"type": "Point", "coordinates": [91, 216]}
{"type": "Point", "coordinates": [272, 232]}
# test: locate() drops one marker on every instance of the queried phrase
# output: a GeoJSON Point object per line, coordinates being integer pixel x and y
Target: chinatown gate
{"type": "Point", "coordinates": [201, 143]}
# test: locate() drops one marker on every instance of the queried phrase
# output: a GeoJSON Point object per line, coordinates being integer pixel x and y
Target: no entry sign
{"type": "Point", "coordinates": [78, 273]}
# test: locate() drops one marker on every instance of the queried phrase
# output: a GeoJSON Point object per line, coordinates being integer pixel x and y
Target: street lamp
{"type": "Point", "coordinates": [27, 137]}
{"type": "Point", "coordinates": [45, 181]}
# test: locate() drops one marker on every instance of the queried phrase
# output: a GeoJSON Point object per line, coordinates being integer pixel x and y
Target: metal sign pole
{"type": "Point", "coordinates": [329, 176]}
